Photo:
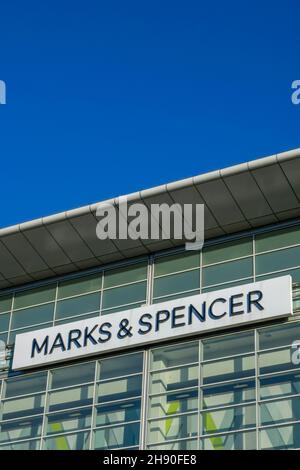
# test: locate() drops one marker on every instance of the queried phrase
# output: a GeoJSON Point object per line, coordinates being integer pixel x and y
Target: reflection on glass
{"type": "Point", "coordinates": [175, 283]}
{"type": "Point", "coordinates": [228, 345]}
{"type": "Point", "coordinates": [227, 251]}
{"type": "Point", "coordinates": [117, 436]}
{"type": "Point", "coordinates": [280, 411]}
{"type": "Point", "coordinates": [120, 389]}
{"type": "Point", "coordinates": [228, 369]}
{"type": "Point", "coordinates": [78, 305]}
{"type": "Point", "coordinates": [283, 437]}
{"type": "Point", "coordinates": [71, 398]}
{"type": "Point", "coordinates": [161, 406]}
{"type": "Point", "coordinates": [228, 271]}
{"type": "Point", "coordinates": [173, 379]}
{"type": "Point", "coordinates": [72, 375]}
{"type": "Point", "coordinates": [188, 444]}
{"type": "Point", "coordinates": [32, 315]}
{"type": "Point", "coordinates": [25, 384]}
{"type": "Point", "coordinates": [79, 286]}
{"type": "Point", "coordinates": [170, 356]}
{"type": "Point", "coordinates": [276, 361]}
{"type": "Point", "coordinates": [69, 421]}
{"type": "Point", "coordinates": [79, 441]}
{"type": "Point", "coordinates": [120, 412]}
{"type": "Point", "coordinates": [278, 335]}
{"type": "Point", "coordinates": [16, 408]}
{"type": "Point", "coordinates": [172, 263]}
{"type": "Point", "coordinates": [171, 428]}
{"type": "Point", "coordinates": [278, 385]}
{"type": "Point", "coordinates": [228, 393]}
{"type": "Point", "coordinates": [21, 429]}
{"type": "Point", "coordinates": [229, 419]}
{"type": "Point", "coordinates": [121, 365]}
{"type": "Point", "coordinates": [236, 441]}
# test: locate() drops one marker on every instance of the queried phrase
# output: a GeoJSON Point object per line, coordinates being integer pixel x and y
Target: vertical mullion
{"type": "Point", "coordinates": [256, 388]}
{"type": "Point", "coordinates": [200, 423]}
{"type": "Point", "coordinates": [93, 417]}
{"type": "Point", "coordinates": [45, 410]}
{"type": "Point", "coordinates": [144, 401]}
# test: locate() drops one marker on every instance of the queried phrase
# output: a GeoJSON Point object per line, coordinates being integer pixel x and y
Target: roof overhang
{"type": "Point", "coordinates": [238, 198]}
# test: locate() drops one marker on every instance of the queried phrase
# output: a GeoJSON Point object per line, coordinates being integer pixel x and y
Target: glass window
{"type": "Point", "coordinates": [187, 444]}
{"type": "Point", "coordinates": [23, 445]}
{"type": "Point", "coordinates": [277, 260]}
{"type": "Point", "coordinates": [185, 281]}
{"type": "Point", "coordinates": [278, 335]}
{"type": "Point", "coordinates": [72, 375]}
{"type": "Point", "coordinates": [117, 436]}
{"type": "Point", "coordinates": [278, 385]}
{"type": "Point", "coordinates": [234, 441]}
{"type": "Point", "coordinates": [69, 421]}
{"type": "Point", "coordinates": [170, 356]}
{"type": "Point", "coordinates": [276, 361]}
{"type": "Point", "coordinates": [227, 251]}
{"type": "Point", "coordinates": [283, 437]}
{"type": "Point", "coordinates": [34, 296]}
{"type": "Point", "coordinates": [32, 316]}
{"type": "Point", "coordinates": [229, 419]}
{"type": "Point", "coordinates": [26, 406]}
{"type": "Point", "coordinates": [237, 343]}
{"type": "Point", "coordinates": [21, 429]}
{"type": "Point", "coordinates": [174, 379]}
{"type": "Point", "coordinates": [120, 412]}
{"type": "Point", "coordinates": [227, 272]}
{"type": "Point", "coordinates": [121, 365]}
{"type": "Point", "coordinates": [25, 384]}
{"type": "Point", "coordinates": [124, 295]}
{"type": "Point", "coordinates": [5, 303]}
{"type": "Point", "coordinates": [173, 427]}
{"type": "Point", "coordinates": [78, 441]}
{"type": "Point", "coordinates": [228, 369]}
{"type": "Point", "coordinates": [169, 404]}
{"type": "Point", "coordinates": [78, 305]}
{"type": "Point", "coordinates": [228, 393]}
{"type": "Point", "coordinates": [71, 398]}
{"type": "Point", "coordinates": [81, 285]}
{"type": "Point", "coordinates": [120, 389]}
{"type": "Point", "coordinates": [277, 239]}
{"type": "Point", "coordinates": [173, 263]}
{"type": "Point", "coordinates": [295, 273]}
{"type": "Point", "coordinates": [125, 275]}
{"type": "Point", "coordinates": [4, 321]}
{"type": "Point", "coordinates": [280, 411]}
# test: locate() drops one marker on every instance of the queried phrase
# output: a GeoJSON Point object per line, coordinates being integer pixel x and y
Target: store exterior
{"type": "Point", "coordinates": [222, 374]}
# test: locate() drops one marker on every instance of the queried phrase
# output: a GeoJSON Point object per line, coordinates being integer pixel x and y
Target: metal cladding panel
{"type": "Point", "coordinates": [44, 244]}
{"type": "Point", "coordinates": [291, 169]}
{"type": "Point", "coordinates": [276, 188]}
{"type": "Point", "coordinates": [23, 251]}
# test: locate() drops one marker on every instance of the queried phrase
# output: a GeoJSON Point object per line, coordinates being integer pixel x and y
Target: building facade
{"type": "Point", "coordinates": [234, 388]}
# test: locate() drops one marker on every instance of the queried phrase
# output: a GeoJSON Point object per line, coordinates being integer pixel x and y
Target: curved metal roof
{"type": "Point", "coordinates": [237, 198]}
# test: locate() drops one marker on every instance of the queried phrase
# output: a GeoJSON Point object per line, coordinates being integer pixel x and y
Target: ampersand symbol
{"type": "Point", "coordinates": [124, 331]}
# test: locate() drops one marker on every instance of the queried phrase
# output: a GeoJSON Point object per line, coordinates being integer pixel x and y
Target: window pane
{"type": "Point", "coordinates": [14, 333]}
{"type": "Point", "coordinates": [78, 305]}
{"type": "Point", "coordinates": [295, 273]}
{"type": "Point", "coordinates": [120, 389]}
{"type": "Point", "coordinates": [277, 239]}
{"type": "Point", "coordinates": [280, 411]}
{"type": "Point", "coordinates": [237, 343]}
{"type": "Point", "coordinates": [120, 412]}
{"type": "Point", "coordinates": [277, 260]}
{"type": "Point", "coordinates": [229, 419]}
{"type": "Point", "coordinates": [32, 316]}
{"type": "Point", "coordinates": [176, 283]}
{"type": "Point", "coordinates": [69, 421]}
{"type": "Point", "coordinates": [117, 436]}
{"type": "Point", "coordinates": [67, 376]}
{"type": "Point", "coordinates": [24, 385]}
{"type": "Point", "coordinates": [227, 271]}
{"type": "Point", "coordinates": [278, 385]}
{"type": "Point", "coordinates": [34, 296]}
{"type": "Point", "coordinates": [5, 303]}
{"type": "Point", "coordinates": [79, 441]}
{"type": "Point", "coordinates": [25, 445]}
{"type": "Point", "coordinates": [172, 428]}
{"type": "Point", "coordinates": [185, 353]}
{"type": "Point", "coordinates": [124, 295]}
{"type": "Point", "coordinates": [279, 335]}
{"type": "Point", "coordinates": [174, 379]}
{"type": "Point", "coordinates": [165, 405]}
{"type": "Point", "coordinates": [275, 361]}
{"type": "Point", "coordinates": [121, 365]}
{"type": "Point", "coordinates": [78, 286]}
{"type": "Point", "coordinates": [71, 398]}
{"type": "Point", "coordinates": [188, 444]}
{"type": "Point", "coordinates": [125, 275]}
{"type": "Point", "coordinates": [228, 393]}
{"type": "Point", "coordinates": [174, 263]}
{"type": "Point", "coordinates": [21, 429]}
{"type": "Point", "coordinates": [285, 437]}
{"type": "Point", "coordinates": [4, 321]}
{"type": "Point", "coordinates": [227, 251]}
{"type": "Point", "coordinates": [16, 408]}
{"type": "Point", "coordinates": [228, 369]}
{"type": "Point", "coordinates": [236, 441]}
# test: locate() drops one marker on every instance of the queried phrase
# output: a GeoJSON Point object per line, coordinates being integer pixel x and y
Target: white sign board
{"type": "Point", "coordinates": [197, 314]}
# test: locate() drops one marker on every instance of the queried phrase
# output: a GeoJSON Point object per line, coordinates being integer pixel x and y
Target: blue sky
{"type": "Point", "coordinates": [107, 98]}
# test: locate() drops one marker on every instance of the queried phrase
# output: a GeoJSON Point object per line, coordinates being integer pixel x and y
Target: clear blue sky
{"type": "Point", "coordinates": [109, 97]}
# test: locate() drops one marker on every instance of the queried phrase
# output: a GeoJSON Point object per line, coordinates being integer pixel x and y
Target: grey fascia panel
{"type": "Point", "coordinates": [275, 188]}
{"type": "Point", "coordinates": [291, 169]}
{"type": "Point", "coordinates": [248, 195]}
{"type": "Point", "coordinates": [19, 246]}
{"type": "Point", "coordinates": [9, 266]}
